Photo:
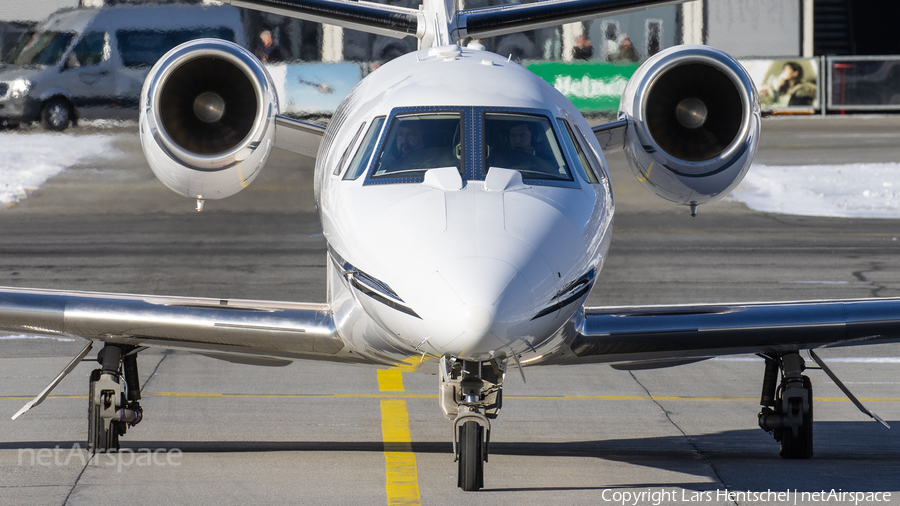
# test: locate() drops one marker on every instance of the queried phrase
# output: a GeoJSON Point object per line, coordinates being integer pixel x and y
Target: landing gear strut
{"type": "Point", "coordinates": [112, 406]}
{"type": "Point", "coordinates": [787, 411]}
{"type": "Point", "coordinates": [471, 395]}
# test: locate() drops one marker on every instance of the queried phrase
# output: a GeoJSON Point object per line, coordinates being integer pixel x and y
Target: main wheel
{"type": "Point", "coordinates": [801, 445]}
{"type": "Point", "coordinates": [56, 115]}
{"type": "Point", "coordinates": [471, 456]}
{"type": "Point", "coordinates": [100, 440]}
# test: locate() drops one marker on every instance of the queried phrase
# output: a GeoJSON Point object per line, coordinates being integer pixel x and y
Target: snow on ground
{"type": "Point", "coordinates": [865, 190]}
{"type": "Point", "coordinates": [27, 160]}
{"type": "Point", "coordinates": [26, 336]}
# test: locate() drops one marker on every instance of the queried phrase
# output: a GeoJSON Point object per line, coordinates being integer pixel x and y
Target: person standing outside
{"type": "Point", "coordinates": [266, 49]}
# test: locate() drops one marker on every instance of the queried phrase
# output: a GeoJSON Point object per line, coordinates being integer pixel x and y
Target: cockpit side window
{"type": "Point", "coordinates": [364, 153]}
{"type": "Point", "coordinates": [418, 142]}
{"type": "Point", "coordinates": [600, 170]}
{"type": "Point", "coordinates": [525, 143]}
{"type": "Point", "coordinates": [579, 159]}
{"type": "Point", "coordinates": [340, 164]}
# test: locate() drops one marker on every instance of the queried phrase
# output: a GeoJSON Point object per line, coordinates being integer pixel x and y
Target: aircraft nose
{"type": "Point", "coordinates": [474, 306]}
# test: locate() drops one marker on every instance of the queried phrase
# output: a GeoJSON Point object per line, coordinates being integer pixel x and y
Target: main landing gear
{"type": "Point", "coordinates": [113, 398]}
{"type": "Point", "coordinates": [787, 411]}
{"type": "Point", "coordinates": [471, 396]}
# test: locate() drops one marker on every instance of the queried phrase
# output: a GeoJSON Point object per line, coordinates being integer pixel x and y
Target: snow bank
{"type": "Point", "coordinates": [864, 190]}
{"type": "Point", "coordinates": [28, 160]}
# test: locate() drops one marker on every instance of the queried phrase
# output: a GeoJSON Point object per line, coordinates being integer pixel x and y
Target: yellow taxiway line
{"type": "Point", "coordinates": [401, 475]}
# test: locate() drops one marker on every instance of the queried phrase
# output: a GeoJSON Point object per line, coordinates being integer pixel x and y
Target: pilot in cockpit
{"type": "Point", "coordinates": [524, 146]}
{"type": "Point", "coordinates": [526, 136]}
{"type": "Point", "coordinates": [409, 138]}
{"type": "Point", "coordinates": [419, 142]}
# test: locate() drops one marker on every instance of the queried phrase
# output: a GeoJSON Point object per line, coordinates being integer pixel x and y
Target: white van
{"type": "Point", "coordinates": [91, 63]}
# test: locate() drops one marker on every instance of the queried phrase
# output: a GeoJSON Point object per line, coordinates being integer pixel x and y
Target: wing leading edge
{"type": "Point", "coordinates": [222, 327]}
{"type": "Point", "coordinates": [672, 333]}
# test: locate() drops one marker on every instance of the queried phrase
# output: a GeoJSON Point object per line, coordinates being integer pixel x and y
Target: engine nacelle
{"type": "Point", "coordinates": [207, 120]}
{"type": "Point", "coordinates": [693, 124]}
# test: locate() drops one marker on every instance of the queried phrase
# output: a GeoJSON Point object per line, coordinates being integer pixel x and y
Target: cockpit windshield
{"type": "Point", "coordinates": [41, 48]}
{"type": "Point", "coordinates": [525, 143]}
{"type": "Point", "coordinates": [418, 142]}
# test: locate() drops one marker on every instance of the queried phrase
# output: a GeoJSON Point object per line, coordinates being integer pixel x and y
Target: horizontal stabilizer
{"type": "Point", "coordinates": [518, 18]}
{"type": "Point", "coordinates": [364, 16]}
{"type": "Point", "coordinates": [392, 21]}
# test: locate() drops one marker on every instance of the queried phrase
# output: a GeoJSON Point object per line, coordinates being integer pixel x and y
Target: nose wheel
{"type": "Point", "coordinates": [471, 455]}
{"type": "Point", "coordinates": [471, 395]}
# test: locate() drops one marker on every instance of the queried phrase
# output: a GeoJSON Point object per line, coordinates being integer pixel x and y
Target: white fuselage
{"type": "Point", "coordinates": [458, 264]}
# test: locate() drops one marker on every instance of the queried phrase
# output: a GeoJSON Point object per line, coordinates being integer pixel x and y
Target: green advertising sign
{"type": "Point", "coordinates": [592, 87]}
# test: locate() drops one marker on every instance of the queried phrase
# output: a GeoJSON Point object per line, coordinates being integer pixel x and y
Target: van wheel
{"type": "Point", "coordinates": [56, 115]}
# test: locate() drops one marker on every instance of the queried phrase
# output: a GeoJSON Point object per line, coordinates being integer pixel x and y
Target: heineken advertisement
{"type": "Point", "coordinates": [592, 87]}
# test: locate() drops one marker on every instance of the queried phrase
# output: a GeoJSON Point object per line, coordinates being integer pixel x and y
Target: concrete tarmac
{"type": "Point", "coordinates": [312, 433]}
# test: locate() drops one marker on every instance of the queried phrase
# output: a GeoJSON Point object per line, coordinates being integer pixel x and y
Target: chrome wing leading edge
{"type": "Point", "coordinates": [258, 332]}
{"type": "Point", "coordinates": [298, 136]}
{"type": "Point", "coordinates": [671, 335]}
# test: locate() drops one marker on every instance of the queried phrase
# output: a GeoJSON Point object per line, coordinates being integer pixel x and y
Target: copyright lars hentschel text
{"type": "Point", "coordinates": [661, 496]}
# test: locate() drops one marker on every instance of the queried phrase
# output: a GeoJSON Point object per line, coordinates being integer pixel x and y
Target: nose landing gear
{"type": "Point", "coordinates": [471, 396]}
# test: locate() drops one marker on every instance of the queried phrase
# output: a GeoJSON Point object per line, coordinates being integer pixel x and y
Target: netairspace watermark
{"type": "Point", "coordinates": [126, 457]}
{"type": "Point", "coordinates": [665, 496]}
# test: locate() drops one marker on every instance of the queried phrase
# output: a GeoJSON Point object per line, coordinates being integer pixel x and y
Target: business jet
{"type": "Point", "coordinates": [467, 210]}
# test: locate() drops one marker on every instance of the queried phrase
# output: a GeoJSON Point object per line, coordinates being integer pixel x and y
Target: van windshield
{"type": "Point", "coordinates": [41, 48]}
{"type": "Point", "coordinates": [141, 48]}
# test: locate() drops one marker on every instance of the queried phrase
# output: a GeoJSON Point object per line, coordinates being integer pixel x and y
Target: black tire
{"type": "Point", "coordinates": [56, 114]}
{"type": "Point", "coordinates": [99, 439]}
{"type": "Point", "coordinates": [801, 445]}
{"type": "Point", "coordinates": [471, 456]}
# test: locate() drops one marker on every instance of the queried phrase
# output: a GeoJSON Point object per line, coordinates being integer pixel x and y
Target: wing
{"type": "Point", "coordinates": [611, 136]}
{"type": "Point", "coordinates": [248, 331]}
{"type": "Point", "coordinates": [298, 136]}
{"type": "Point", "coordinates": [671, 335]}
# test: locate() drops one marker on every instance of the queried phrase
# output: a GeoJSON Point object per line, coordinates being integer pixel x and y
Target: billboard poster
{"type": "Point", "coordinates": [592, 87]}
{"type": "Point", "coordinates": [787, 84]}
{"type": "Point", "coordinates": [312, 89]}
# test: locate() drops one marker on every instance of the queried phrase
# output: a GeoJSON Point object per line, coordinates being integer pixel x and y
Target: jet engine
{"type": "Point", "coordinates": [207, 118]}
{"type": "Point", "coordinates": [693, 124]}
